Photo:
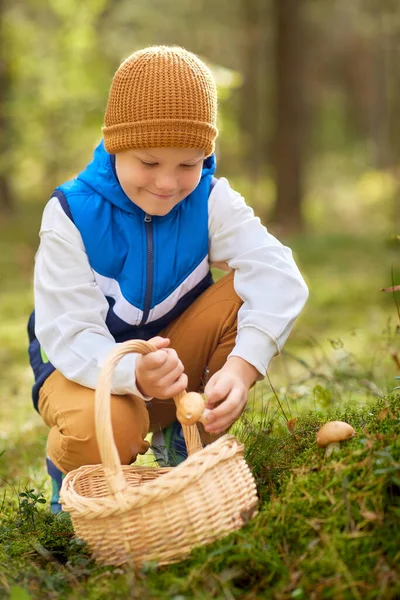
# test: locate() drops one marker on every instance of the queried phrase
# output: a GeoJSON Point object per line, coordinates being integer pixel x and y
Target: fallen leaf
{"type": "Point", "coordinates": [383, 414]}
{"type": "Point", "coordinates": [370, 516]}
{"type": "Point", "coordinates": [393, 288]}
{"type": "Point", "coordinates": [291, 424]}
{"type": "Point", "coordinates": [396, 359]}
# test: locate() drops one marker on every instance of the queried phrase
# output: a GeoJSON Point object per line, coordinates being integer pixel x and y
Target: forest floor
{"type": "Point", "coordinates": [326, 527]}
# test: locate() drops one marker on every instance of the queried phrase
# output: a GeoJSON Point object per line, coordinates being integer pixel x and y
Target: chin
{"type": "Point", "coordinates": [161, 212]}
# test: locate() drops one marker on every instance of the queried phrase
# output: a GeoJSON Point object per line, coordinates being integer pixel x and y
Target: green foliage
{"type": "Point", "coordinates": [58, 92]}
{"type": "Point", "coordinates": [28, 502]}
{"type": "Point", "coordinates": [18, 593]}
{"type": "Point", "coordinates": [326, 526]}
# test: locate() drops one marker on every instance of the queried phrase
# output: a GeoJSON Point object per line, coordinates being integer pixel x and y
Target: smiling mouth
{"type": "Point", "coordinates": [165, 197]}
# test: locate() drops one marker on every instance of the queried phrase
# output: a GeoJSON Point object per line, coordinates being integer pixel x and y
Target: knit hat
{"type": "Point", "coordinates": [161, 97]}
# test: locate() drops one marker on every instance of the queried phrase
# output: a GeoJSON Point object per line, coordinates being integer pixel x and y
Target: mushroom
{"type": "Point", "coordinates": [203, 418]}
{"type": "Point", "coordinates": [190, 408]}
{"type": "Point", "coordinates": [332, 433]}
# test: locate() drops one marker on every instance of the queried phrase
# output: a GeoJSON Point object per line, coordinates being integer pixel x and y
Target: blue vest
{"type": "Point", "coordinates": [149, 268]}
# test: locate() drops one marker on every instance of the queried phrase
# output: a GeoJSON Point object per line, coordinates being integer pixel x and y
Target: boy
{"type": "Point", "coordinates": [125, 252]}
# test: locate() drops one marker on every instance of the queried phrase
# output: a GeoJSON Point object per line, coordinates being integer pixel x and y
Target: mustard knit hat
{"type": "Point", "coordinates": [161, 97]}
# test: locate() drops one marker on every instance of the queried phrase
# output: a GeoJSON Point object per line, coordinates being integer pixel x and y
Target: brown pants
{"type": "Point", "coordinates": [203, 336]}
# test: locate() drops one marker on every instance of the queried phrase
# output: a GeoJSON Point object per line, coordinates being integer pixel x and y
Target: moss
{"type": "Point", "coordinates": [326, 528]}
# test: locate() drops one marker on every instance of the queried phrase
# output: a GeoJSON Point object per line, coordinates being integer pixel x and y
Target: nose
{"type": "Point", "coordinates": [166, 183]}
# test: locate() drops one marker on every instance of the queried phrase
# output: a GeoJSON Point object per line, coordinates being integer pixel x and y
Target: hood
{"type": "Point", "coordinates": [101, 176]}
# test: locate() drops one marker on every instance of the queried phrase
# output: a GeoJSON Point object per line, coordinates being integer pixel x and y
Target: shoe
{"type": "Point", "coordinates": [56, 480]}
{"type": "Point", "coordinates": [169, 445]}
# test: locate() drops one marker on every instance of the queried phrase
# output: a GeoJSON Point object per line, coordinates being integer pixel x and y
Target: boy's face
{"type": "Point", "coordinates": [156, 179]}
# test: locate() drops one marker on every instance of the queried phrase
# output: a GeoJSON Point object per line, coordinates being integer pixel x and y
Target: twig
{"type": "Point", "coordinates": [394, 289]}
{"type": "Point", "coordinates": [49, 556]}
{"type": "Point", "coordinates": [276, 396]}
{"type": "Point", "coordinates": [46, 554]}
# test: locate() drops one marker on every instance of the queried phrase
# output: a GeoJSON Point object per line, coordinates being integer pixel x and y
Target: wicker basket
{"type": "Point", "coordinates": [135, 514]}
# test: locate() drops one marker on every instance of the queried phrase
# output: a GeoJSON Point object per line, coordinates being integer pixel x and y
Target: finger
{"type": "Point", "coordinates": [171, 363]}
{"type": "Point", "coordinates": [225, 408]}
{"type": "Point", "coordinates": [155, 360]}
{"type": "Point", "coordinates": [226, 413]}
{"type": "Point", "coordinates": [159, 342]}
{"type": "Point", "coordinates": [223, 424]}
{"type": "Point", "coordinates": [173, 357]}
{"type": "Point", "coordinates": [217, 392]}
{"type": "Point", "coordinates": [171, 376]}
{"type": "Point", "coordinates": [176, 388]}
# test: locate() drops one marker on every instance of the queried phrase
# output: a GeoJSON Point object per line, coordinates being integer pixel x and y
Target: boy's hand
{"type": "Point", "coordinates": [230, 387]}
{"type": "Point", "coordinates": [159, 374]}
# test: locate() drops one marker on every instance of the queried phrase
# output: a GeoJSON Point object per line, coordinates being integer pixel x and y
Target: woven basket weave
{"type": "Point", "coordinates": [136, 514]}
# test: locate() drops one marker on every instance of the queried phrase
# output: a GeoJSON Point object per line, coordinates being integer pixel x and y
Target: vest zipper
{"type": "Point", "coordinates": [149, 267]}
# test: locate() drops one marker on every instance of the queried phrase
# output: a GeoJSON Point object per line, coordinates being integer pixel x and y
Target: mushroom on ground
{"type": "Point", "coordinates": [190, 408]}
{"type": "Point", "coordinates": [332, 433]}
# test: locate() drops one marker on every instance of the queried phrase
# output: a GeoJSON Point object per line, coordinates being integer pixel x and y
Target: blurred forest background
{"type": "Point", "coordinates": [309, 97]}
{"type": "Point", "coordinates": [309, 132]}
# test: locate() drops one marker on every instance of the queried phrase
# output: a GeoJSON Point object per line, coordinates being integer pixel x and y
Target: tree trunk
{"type": "Point", "coordinates": [394, 125]}
{"type": "Point", "coordinates": [290, 111]}
{"type": "Point", "coordinates": [252, 104]}
{"type": "Point", "coordinates": [6, 195]}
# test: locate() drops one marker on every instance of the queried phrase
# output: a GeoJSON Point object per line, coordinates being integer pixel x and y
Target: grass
{"type": "Point", "coordinates": [326, 528]}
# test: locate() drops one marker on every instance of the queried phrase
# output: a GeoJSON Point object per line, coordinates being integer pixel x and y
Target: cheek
{"type": "Point", "coordinates": [134, 179]}
{"type": "Point", "coordinates": [141, 180]}
{"type": "Point", "coordinates": [192, 180]}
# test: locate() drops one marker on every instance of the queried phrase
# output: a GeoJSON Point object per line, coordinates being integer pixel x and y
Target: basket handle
{"type": "Point", "coordinates": [105, 439]}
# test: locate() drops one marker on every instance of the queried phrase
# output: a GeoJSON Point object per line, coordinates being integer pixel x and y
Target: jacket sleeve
{"type": "Point", "coordinates": [70, 308]}
{"type": "Point", "coordinates": [266, 277]}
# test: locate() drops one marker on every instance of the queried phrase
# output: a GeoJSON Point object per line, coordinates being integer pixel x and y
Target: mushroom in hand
{"type": "Point", "coordinates": [190, 408]}
{"type": "Point", "coordinates": [332, 433]}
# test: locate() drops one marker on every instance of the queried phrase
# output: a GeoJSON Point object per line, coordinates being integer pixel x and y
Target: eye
{"type": "Point", "coordinates": [188, 166]}
{"type": "Point", "coordinates": [148, 164]}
